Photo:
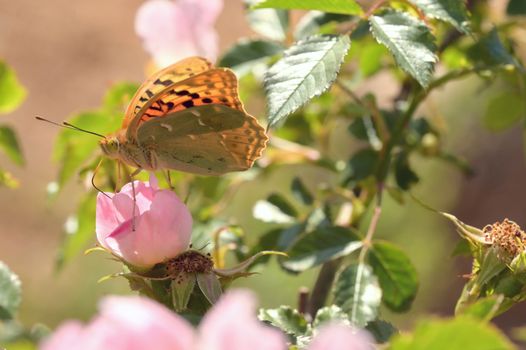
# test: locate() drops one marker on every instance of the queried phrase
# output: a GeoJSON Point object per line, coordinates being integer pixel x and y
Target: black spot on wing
{"type": "Point", "coordinates": [166, 82]}
{"type": "Point", "coordinates": [188, 103]}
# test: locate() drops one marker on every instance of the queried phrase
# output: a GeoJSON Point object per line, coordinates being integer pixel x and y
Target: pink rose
{"type": "Point", "coordinates": [341, 337]}
{"type": "Point", "coordinates": [232, 325]}
{"type": "Point", "coordinates": [159, 228]}
{"type": "Point", "coordinates": [138, 323]}
{"type": "Point", "coordinates": [175, 29]}
{"type": "Point", "coordinates": [125, 323]}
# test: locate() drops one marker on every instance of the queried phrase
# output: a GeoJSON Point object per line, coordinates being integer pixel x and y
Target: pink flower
{"type": "Point", "coordinates": [138, 323]}
{"type": "Point", "coordinates": [125, 323]}
{"type": "Point", "coordinates": [232, 325]}
{"type": "Point", "coordinates": [175, 29]}
{"type": "Point", "coordinates": [159, 228]}
{"type": "Point", "coordinates": [341, 337]}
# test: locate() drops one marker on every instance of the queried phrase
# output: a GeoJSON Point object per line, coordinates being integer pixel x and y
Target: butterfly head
{"type": "Point", "coordinates": [111, 146]}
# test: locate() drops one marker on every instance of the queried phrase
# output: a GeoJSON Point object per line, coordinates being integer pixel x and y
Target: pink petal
{"type": "Point", "coordinates": [173, 30]}
{"type": "Point", "coordinates": [232, 325]}
{"type": "Point", "coordinates": [124, 207]}
{"type": "Point", "coordinates": [106, 218]}
{"type": "Point", "coordinates": [141, 323]}
{"type": "Point", "coordinates": [160, 233]}
{"type": "Point", "coordinates": [65, 337]}
{"type": "Point", "coordinates": [154, 183]}
{"type": "Point", "coordinates": [121, 241]}
{"type": "Point", "coordinates": [125, 323]}
{"type": "Point", "coordinates": [143, 195]}
{"type": "Point", "coordinates": [341, 337]}
{"type": "Point", "coordinates": [203, 11]}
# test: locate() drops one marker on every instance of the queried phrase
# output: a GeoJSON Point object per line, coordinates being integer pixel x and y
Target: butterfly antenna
{"type": "Point", "coordinates": [93, 179]}
{"type": "Point", "coordinates": [83, 130]}
{"type": "Point", "coordinates": [69, 126]}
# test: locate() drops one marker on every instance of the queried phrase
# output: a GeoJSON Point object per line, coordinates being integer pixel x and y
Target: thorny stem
{"type": "Point", "coordinates": [372, 226]}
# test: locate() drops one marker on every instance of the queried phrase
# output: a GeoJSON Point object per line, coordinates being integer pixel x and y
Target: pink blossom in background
{"type": "Point", "coordinates": [341, 337]}
{"type": "Point", "coordinates": [125, 323]}
{"type": "Point", "coordinates": [138, 323]}
{"type": "Point", "coordinates": [232, 325]}
{"type": "Point", "coordinates": [175, 29]}
{"type": "Point", "coordinates": [163, 224]}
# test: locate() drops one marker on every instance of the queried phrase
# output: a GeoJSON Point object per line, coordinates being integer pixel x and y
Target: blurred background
{"type": "Point", "coordinates": [68, 53]}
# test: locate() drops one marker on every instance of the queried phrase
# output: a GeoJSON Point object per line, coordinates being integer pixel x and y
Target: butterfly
{"type": "Point", "coordinates": [188, 117]}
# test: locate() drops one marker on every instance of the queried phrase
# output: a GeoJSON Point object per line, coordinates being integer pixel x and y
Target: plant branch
{"type": "Point", "coordinates": [323, 285]}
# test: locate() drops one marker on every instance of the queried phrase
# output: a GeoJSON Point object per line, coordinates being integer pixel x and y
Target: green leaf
{"type": "Point", "coordinates": [73, 148]}
{"type": "Point", "coordinates": [285, 318]}
{"type": "Point", "coordinates": [460, 333]}
{"type": "Point", "coordinates": [371, 59]}
{"type": "Point", "coordinates": [270, 23]}
{"type": "Point", "coordinates": [10, 293]}
{"type": "Point", "coordinates": [119, 96]}
{"type": "Point", "coordinates": [9, 143]}
{"type": "Point", "coordinates": [404, 175]}
{"type": "Point", "coordinates": [246, 54]}
{"type": "Point", "coordinates": [182, 287]}
{"type": "Point", "coordinates": [275, 208]}
{"type": "Point", "coordinates": [362, 164]}
{"type": "Point", "coordinates": [484, 309]}
{"type": "Point", "coordinates": [301, 192]}
{"type": "Point", "coordinates": [283, 204]}
{"type": "Point", "coordinates": [289, 235]}
{"type": "Point", "coordinates": [210, 286]}
{"type": "Point", "coordinates": [307, 69]}
{"type": "Point", "coordinates": [11, 92]}
{"type": "Point", "coordinates": [516, 7]}
{"type": "Point", "coordinates": [381, 330]}
{"type": "Point", "coordinates": [349, 7]}
{"type": "Point", "coordinates": [240, 269]}
{"type": "Point", "coordinates": [396, 274]}
{"type": "Point", "coordinates": [503, 111]}
{"type": "Point", "coordinates": [79, 230]}
{"type": "Point", "coordinates": [491, 50]}
{"type": "Point", "coordinates": [410, 42]}
{"type": "Point", "coordinates": [452, 11]}
{"type": "Point", "coordinates": [328, 314]}
{"type": "Point", "coordinates": [313, 22]}
{"type": "Point", "coordinates": [322, 245]}
{"type": "Point", "coordinates": [8, 180]}
{"type": "Point", "coordinates": [357, 292]}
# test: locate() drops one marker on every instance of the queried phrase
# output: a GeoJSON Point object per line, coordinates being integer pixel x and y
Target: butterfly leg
{"type": "Point", "coordinates": [132, 175]}
{"type": "Point", "coordinates": [169, 179]}
{"type": "Point", "coordinates": [93, 178]}
{"type": "Point", "coordinates": [119, 175]}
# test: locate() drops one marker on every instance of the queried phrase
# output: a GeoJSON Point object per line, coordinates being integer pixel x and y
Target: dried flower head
{"type": "Point", "coordinates": [507, 236]}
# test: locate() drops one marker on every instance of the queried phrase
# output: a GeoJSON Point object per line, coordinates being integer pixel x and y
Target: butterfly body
{"type": "Point", "coordinates": [188, 117]}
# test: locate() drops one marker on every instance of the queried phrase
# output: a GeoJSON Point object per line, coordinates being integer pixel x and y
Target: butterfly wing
{"type": "Point", "coordinates": [210, 139]}
{"type": "Point", "coordinates": [214, 86]}
{"type": "Point", "coordinates": [162, 81]}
